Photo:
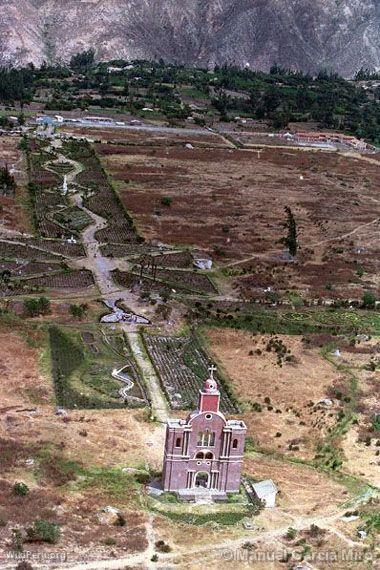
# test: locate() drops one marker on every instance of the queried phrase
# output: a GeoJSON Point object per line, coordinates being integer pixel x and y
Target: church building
{"type": "Point", "coordinates": [204, 453]}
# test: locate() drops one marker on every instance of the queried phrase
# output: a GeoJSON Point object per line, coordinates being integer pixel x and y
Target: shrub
{"type": "Point", "coordinates": [24, 565]}
{"type": "Point", "coordinates": [17, 540]}
{"type": "Point", "coordinates": [121, 520]}
{"type": "Point", "coordinates": [291, 533]}
{"type": "Point", "coordinates": [109, 541]}
{"type": "Point", "coordinates": [142, 478]}
{"type": "Point", "coordinates": [36, 307]}
{"type": "Point", "coordinates": [369, 300]}
{"type": "Point", "coordinates": [166, 201]}
{"type": "Point", "coordinates": [162, 546]}
{"type": "Point", "coordinates": [20, 489]}
{"type": "Point", "coordinates": [43, 531]}
{"type": "Point", "coordinates": [78, 311]}
{"type": "Point", "coordinates": [376, 422]}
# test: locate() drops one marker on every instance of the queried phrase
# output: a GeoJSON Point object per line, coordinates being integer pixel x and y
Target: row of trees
{"type": "Point", "coordinates": [280, 96]}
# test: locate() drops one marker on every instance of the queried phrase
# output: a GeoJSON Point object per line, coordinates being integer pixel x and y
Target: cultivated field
{"type": "Point", "coordinates": [14, 214]}
{"type": "Point", "coordinates": [231, 203]}
{"type": "Point", "coordinates": [157, 137]}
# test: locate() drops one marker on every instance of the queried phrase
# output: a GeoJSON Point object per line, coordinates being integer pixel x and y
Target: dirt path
{"type": "Point", "coordinates": [159, 405]}
{"type": "Point", "coordinates": [101, 268]}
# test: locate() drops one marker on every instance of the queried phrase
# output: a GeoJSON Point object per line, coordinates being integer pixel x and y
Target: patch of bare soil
{"type": "Point", "coordinates": [149, 137]}
{"type": "Point", "coordinates": [281, 394]}
{"type": "Point", "coordinates": [303, 491]}
{"type": "Point", "coordinates": [231, 203]}
{"type": "Point", "coordinates": [13, 214]}
{"type": "Point", "coordinates": [67, 461]}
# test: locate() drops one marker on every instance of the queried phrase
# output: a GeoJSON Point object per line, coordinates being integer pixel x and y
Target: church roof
{"type": "Point", "coordinates": [236, 424]}
{"type": "Point", "coordinates": [175, 423]}
{"type": "Point", "coordinates": [265, 488]}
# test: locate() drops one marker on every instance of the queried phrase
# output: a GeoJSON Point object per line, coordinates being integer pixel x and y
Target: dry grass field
{"type": "Point", "coordinates": [13, 213]}
{"type": "Point", "coordinates": [149, 137]}
{"type": "Point", "coordinates": [284, 404]}
{"type": "Point", "coordinates": [66, 460]}
{"type": "Point", "coordinates": [231, 202]}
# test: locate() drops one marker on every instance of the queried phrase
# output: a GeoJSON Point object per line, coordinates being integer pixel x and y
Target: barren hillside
{"type": "Point", "coordinates": [303, 34]}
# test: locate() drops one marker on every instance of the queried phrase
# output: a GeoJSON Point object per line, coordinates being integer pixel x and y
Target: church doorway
{"type": "Point", "coordinates": [201, 480]}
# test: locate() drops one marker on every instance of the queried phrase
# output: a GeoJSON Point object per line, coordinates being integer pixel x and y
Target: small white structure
{"type": "Point", "coordinates": [204, 263]}
{"type": "Point", "coordinates": [266, 491]}
{"type": "Point", "coordinates": [72, 240]}
{"type": "Point", "coordinates": [65, 187]}
{"type": "Point", "coordinates": [326, 402]}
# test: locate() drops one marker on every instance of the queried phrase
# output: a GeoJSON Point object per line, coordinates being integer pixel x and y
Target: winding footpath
{"type": "Point", "coordinates": [102, 268]}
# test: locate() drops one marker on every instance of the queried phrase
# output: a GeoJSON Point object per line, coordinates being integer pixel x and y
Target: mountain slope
{"type": "Point", "coordinates": [306, 34]}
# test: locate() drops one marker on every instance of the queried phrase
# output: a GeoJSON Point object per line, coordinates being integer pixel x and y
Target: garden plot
{"type": "Point", "coordinates": [73, 218]}
{"type": "Point", "coordinates": [180, 260]}
{"type": "Point", "coordinates": [62, 168]}
{"type": "Point", "coordinates": [77, 279]}
{"type": "Point", "coordinates": [165, 281]}
{"type": "Point", "coordinates": [133, 281]}
{"type": "Point", "coordinates": [36, 248]}
{"type": "Point", "coordinates": [83, 363]}
{"type": "Point", "coordinates": [126, 250]}
{"type": "Point", "coordinates": [47, 204]}
{"type": "Point", "coordinates": [19, 269]}
{"type": "Point", "coordinates": [11, 250]}
{"type": "Point", "coordinates": [60, 247]}
{"type": "Point", "coordinates": [100, 197]}
{"type": "Point", "coordinates": [230, 203]}
{"type": "Point", "coordinates": [187, 279]}
{"type": "Point", "coordinates": [183, 368]}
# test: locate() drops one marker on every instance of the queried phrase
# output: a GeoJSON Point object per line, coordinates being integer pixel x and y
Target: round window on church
{"type": "Point", "coordinates": [208, 416]}
{"type": "Point", "coordinates": [208, 462]}
{"type": "Point", "coordinates": [199, 462]}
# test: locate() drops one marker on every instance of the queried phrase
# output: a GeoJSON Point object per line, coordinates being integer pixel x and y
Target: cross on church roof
{"type": "Point", "coordinates": [212, 369]}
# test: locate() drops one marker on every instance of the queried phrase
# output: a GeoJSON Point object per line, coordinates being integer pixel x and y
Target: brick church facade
{"type": "Point", "coordinates": [204, 453]}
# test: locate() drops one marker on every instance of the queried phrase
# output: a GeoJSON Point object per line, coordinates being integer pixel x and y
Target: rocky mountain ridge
{"type": "Point", "coordinates": [343, 35]}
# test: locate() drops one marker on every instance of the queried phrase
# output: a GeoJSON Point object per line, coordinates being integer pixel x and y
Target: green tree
{"type": "Point", "coordinates": [369, 300]}
{"type": "Point", "coordinates": [43, 531]}
{"type": "Point", "coordinates": [78, 311]}
{"type": "Point", "coordinates": [35, 307]}
{"type": "Point", "coordinates": [290, 240]}
{"type": "Point", "coordinates": [82, 62]}
{"type": "Point", "coordinates": [20, 489]}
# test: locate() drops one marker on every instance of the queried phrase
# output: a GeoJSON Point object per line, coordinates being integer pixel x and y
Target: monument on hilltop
{"type": "Point", "coordinates": [204, 453]}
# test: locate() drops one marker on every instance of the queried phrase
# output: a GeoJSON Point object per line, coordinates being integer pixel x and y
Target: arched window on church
{"type": "Point", "coordinates": [234, 444]}
{"type": "Point", "coordinates": [206, 438]}
{"type": "Point", "coordinates": [178, 442]}
{"type": "Point", "coordinates": [199, 455]}
{"type": "Point", "coordinates": [209, 455]}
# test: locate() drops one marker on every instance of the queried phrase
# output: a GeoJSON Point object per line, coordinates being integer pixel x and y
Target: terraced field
{"type": "Point", "coordinates": [183, 367]}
